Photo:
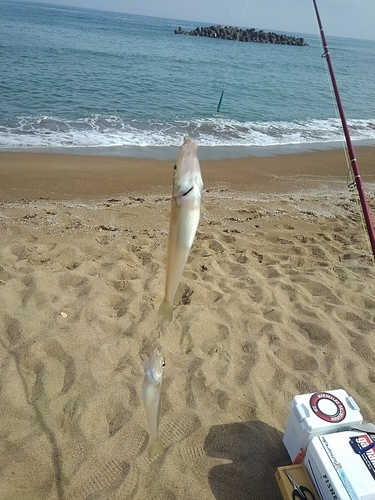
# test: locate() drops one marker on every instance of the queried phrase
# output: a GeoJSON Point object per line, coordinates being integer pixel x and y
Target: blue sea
{"type": "Point", "coordinates": [82, 80]}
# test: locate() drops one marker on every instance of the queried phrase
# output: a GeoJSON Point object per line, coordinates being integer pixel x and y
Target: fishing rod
{"type": "Point", "coordinates": [353, 160]}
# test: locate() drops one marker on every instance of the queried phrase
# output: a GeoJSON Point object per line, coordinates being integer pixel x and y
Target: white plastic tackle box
{"type": "Point", "coordinates": [316, 414]}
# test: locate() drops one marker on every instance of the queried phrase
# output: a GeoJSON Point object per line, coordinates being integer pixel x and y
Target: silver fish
{"type": "Point", "coordinates": [185, 212]}
{"type": "Point", "coordinates": [151, 394]}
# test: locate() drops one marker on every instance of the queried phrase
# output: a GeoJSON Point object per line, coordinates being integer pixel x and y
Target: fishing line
{"type": "Point", "coordinates": [229, 66]}
{"type": "Point", "coordinates": [351, 182]}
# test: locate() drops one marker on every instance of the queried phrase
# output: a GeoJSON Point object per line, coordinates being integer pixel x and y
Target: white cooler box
{"type": "Point", "coordinates": [316, 414]}
{"type": "Point", "coordinates": [338, 473]}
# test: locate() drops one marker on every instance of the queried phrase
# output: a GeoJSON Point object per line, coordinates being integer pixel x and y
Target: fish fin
{"type": "Point", "coordinates": [166, 310]}
{"type": "Point", "coordinates": [155, 447]}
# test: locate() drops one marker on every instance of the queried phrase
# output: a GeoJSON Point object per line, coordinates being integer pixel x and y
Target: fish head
{"type": "Point", "coordinates": [155, 366]}
{"type": "Point", "coordinates": [187, 179]}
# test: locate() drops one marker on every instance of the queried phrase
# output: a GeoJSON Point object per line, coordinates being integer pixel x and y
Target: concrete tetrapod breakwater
{"type": "Point", "coordinates": [243, 35]}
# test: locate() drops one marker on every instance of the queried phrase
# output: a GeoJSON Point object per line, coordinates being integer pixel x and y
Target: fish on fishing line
{"type": "Point", "coordinates": [151, 395]}
{"type": "Point", "coordinates": [184, 220]}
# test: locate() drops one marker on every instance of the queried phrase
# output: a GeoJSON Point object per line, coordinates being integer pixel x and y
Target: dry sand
{"type": "Point", "coordinates": [277, 299]}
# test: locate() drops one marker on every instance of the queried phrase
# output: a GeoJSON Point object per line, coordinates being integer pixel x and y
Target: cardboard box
{"type": "Point", "coordinates": [337, 471]}
{"type": "Point", "coordinates": [301, 477]}
{"type": "Point", "coordinates": [316, 414]}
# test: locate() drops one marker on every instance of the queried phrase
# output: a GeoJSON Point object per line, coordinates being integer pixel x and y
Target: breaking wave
{"type": "Point", "coordinates": [107, 131]}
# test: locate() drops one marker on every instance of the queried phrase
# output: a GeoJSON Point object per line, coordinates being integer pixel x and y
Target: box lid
{"type": "Point", "coordinates": [325, 411]}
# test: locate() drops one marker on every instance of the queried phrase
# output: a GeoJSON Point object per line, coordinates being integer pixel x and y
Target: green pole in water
{"type": "Point", "coordinates": [220, 101]}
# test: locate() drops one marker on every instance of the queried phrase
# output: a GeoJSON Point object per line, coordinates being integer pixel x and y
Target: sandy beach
{"type": "Point", "coordinates": [277, 299]}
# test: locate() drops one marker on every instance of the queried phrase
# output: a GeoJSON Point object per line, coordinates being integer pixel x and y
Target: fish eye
{"type": "Point", "coordinates": [163, 365]}
{"type": "Point", "coordinates": [175, 168]}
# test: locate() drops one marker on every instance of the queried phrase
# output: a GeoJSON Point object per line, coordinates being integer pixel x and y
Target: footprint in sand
{"type": "Point", "coordinates": [117, 415]}
{"type": "Point", "coordinates": [12, 329]}
{"type": "Point", "coordinates": [297, 359]}
{"type": "Point", "coordinates": [56, 351]}
{"type": "Point", "coordinates": [110, 471]}
{"type": "Point", "coordinates": [184, 294]}
{"type": "Point", "coordinates": [357, 322]}
{"type": "Point", "coordinates": [119, 305]}
{"type": "Point", "coordinates": [195, 385]}
{"type": "Point", "coordinates": [26, 465]}
{"type": "Point", "coordinates": [177, 429]}
{"type": "Point", "coordinates": [72, 280]}
{"type": "Point", "coordinates": [30, 288]}
{"type": "Point", "coordinates": [47, 370]}
{"type": "Point", "coordinates": [19, 251]}
{"type": "Point", "coordinates": [247, 362]}
{"type": "Point", "coordinates": [315, 333]}
{"type": "Point", "coordinates": [216, 246]}
{"type": "Point", "coordinates": [362, 347]}
{"type": "Point", "coordinates": [105, 480]}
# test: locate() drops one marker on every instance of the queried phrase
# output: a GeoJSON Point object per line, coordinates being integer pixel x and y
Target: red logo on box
{"type": "Point", "coordinates": [318, 397]}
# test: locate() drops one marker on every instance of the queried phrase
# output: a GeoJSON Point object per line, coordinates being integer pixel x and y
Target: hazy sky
{"type": "Point", "coordinates": [351, 18]}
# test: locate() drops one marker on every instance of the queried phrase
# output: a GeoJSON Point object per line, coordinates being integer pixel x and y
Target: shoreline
{"type": "Point", "coordinates": [205, 152]}
{"type": "Point", "coordinates": [89, 177]}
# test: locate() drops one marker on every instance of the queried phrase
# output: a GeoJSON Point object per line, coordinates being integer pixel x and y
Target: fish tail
{"type": "Point", "coordinates": [166, 310]}
{"type": "Point", "coordinates": [155, 447]}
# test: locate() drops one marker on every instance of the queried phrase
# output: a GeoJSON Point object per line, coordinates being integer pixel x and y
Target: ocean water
{"type": "Point", "coordinates": [84, 80]}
